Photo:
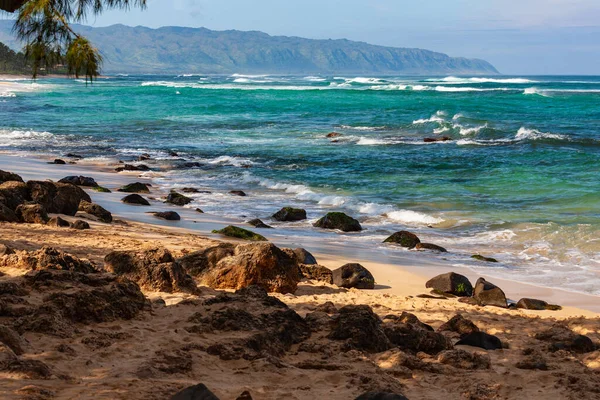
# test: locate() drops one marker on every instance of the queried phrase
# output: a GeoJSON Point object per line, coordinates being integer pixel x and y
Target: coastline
{"type": "Point", "coordinates": [396, 273]}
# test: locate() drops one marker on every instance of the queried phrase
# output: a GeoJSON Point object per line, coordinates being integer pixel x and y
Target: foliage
{"type": "Point", "coordinates": [11, 62]}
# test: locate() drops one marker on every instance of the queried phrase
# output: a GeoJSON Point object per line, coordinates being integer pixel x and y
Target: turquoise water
{"type": "Point", "coordinates": [519, 179]}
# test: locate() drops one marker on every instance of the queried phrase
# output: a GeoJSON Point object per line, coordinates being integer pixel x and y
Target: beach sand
{"type": "Point", "coordinates": [110, 360]}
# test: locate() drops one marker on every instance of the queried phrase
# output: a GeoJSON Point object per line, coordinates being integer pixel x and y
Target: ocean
{"type": "Point", "coordinates": [519, 179]}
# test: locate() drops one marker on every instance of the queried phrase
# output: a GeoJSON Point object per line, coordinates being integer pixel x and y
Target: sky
{"type": "Point", "coordinates": [520, 37]}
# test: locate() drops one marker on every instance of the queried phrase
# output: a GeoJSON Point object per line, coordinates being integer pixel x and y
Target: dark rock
{"type": "Point", "coordinates": [289, 214]}
{"type": "Point", "coordinates": [189, 165]}
{"type": "Point", "coordinates": [533, 304]}
{"type": "Point", "coordinates": [333, 134]}
{"type": "Point", "coordinates": [404, 239]}
{"type": "Point", "coordinates": [244, 396]}
{"type": "Point", "coordinates": [167, 215]}
{"type": "Point", "coordinates": [199, 211]}
{"type": "Point", "coordinates": [172, 153]}
{"type": "Point", "coordinates": [80, 225]}
{"type": "Point", "coordinates": [317, 273]}
{"type": "Point", "coordinates": [338, 220]}
{"type": "Point", "coordinates": [198, 392]}
{"type": "Point", "coordinates": [32, 213]}
{"type": "Point", "coordinates": [257, 223]}
{"type": "Point", "coordinates": [101, 189]}
{"type": "Point", "coordinates": [437, 139]}
{"type": "Point", "coordinates": [96, 210]}
{"type": "Point", "coordinates": [460, 325]}
{"type": "Point", "coordinates": [536, 362]}
{"type": "Point", "coordinates": [381, 396]}
{"type": "Point", "coordinates": [9, 176]}
{"type": "Point", "coordinates": [361, 328]}
{"type": "Point", "coordinates": [144, 157]}
{"type": "Point", "coordinates": [353, 276]}
{"type": "Point", "coordinates": [47, 258]}
{"type": "Point", "coordinates": [240, 233]}
{"type": "Point", "coordinates": [136, 187]}
{"type": "Point", "coordinates": [464, 360]}
{"type": "Point", "coordinates": [12, 340]}
{"type": "Point", "coordinates": [13, 194]}
{"type": "Point", "coordinates": [135, 199]}
{"type": "Point", "coordinates": [58, 222]}
{"type": "Point", "coordinates": [482, 340]}
{"type": "Point", "coordinates": [6, 250]}
{"type": "Point", "coordinates": [178, 199]}
{"type": "Point", "coordinates": [261, 264]}
{"type": "Point", "coordinates": [151, 269]}
{"type": "Point", "coordinates": [58, 161]}
{"type": "Point", "coordinates": [7, 215]}
{"type": "Point", "coordinates": [238, 193]}
{"type": "Point", "coordinates": [79, 181]}
{"type": "Point", "coordinates": [488, 294]}
{"type": "Point", "coordinates": [71, 155]}
{"type": "Point", "coordinates": [198, 262]}
{"type": "Point", "coordinates": [562, 338]}
{"type": "Point", "coordinates": [429, 246]}
{"type": "Point", "coordinates": [129, 167]}
{"type": "Point", "coordinates": [304, 257]}
{"type": "Point", "coordinates": [190, 190]}
{"type": "Point", "coordinates": [58, 198]}
{"type": "Point", "coordinates": [414, 336]}
{"type": "Point", "coordinates": [31, 369]}
{"type": "Point", "coordinates": [479, 257]}
{"type": "Point", "coordinates": [451, 282]}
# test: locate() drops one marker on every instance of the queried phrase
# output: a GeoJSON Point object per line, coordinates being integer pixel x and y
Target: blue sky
{"type": "Point", "coordinates": [517, 36]}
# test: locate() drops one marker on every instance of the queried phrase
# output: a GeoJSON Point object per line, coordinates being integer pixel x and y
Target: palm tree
{"type": "Point", "coordinates": [44, 27]}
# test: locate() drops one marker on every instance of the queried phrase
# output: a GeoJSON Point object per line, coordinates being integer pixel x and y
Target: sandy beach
{"type": "Point", "coordinates": [176, 339]}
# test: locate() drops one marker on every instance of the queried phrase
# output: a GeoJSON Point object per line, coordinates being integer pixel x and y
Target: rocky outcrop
{"type": "Point", "coordinates": [79, 181]}
{"type": "Point", "coordinates": [353, 276]}
{"type": "Point", "coordinates": [290, 214]}
{"type": "Point", "coordinates": [96, 210]}
{"type": "Point", "coordinates": [241, 233]}
{"type": "Point", "coordinates": [534, 304]}
{"type": "Point", "coordinates": [28, 369]}
{"type": "Point", "coordinates": [32, 214]}
{"type": "Point", "coordinates": [464, 360]}
{"type": "Point", "coordinates": [404, 239]}
{"type": "Point", "coordinates": [12, 340]}
{"type": "Point", "coordinates": [9, 176]}
{"type": "Point", "coordinates": [411, 335]}
{"type": "Point", "coordinates": [58, 222]}
{"type": "Point", "coordinates": [453, 283]}
{"type": "Point", "coordinates": [301, 255]}
{"type": "Point", "coordinates": [200, 261]}
{"type": "Point", "coordinates": [257, 223]}
{"type": "Point", "coordinates": [47, 258]}
{"type": "Point", "coordinates": [196, 392]}
{"type": "Point", "coordinates": [460, 325]}
{"type": "Point", "coordinates": [261, 264]}
{"type": "Point", "coordinates": [130, 167]}
{"type": "Point", "coordinates": [381, 396]}
{"type": "Point", "coordinates": [339, 221]}
{"type": "Point", "coordinates": [153, 269]}
{"type": "Point", "coordinates": [7, 215]}
{"type": "Point", "coordinates": [361, 328]}
{"type": "Point", "coordinates": [238, 193]}
{"type": "Point", "coordinates": [316, 272]}
{"type": "Point", "coordinates": [561, 337]}
{"type": "Point", "coordinates": [13, 194]}
{"type": "Point", "coordinates": [437, 139]}
{"type": "Point", "coordinates": [482, 340]}
{"type": "Point", "coordinates": [488, 294]}
{"type": "Point", "coordinates": [431, 247]}
{"type": "Point", "coordinates": [136, 187]}
{"type": "Point", "coordinates": [167, 215]}
{"type": "Point", "coordinates": [80, 225]}
{"type": "Point", "coordinates": [57, 198]}
{"type": "Point", "coordinates": [135, 199]}
{"type": "Point", "coordinates": [479, 257]}
{"type": "Point", "coordinates": [178, 199]}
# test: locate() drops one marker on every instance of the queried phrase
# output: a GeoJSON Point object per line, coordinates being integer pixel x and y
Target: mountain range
{"type": "Point", "coordinates": [200, 50]}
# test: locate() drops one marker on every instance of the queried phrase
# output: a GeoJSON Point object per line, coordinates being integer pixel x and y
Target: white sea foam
{"type": "Point", "coordinates": [363, 141]}
{"type": "Point", "coordinates": [410, 217]}
{"type": "Point", "coordinates": [463, 130]}
{"type": "Point", "coordinates": [440, 130]}
{"type": "Point", "coordinates": [534, 134]}
{"type": "Point", "coordinates": [248, 76]}
{"type": "Point", "coordinates": [314, 79]}
{"type": "Point", "coordinates": [229, 160]}
{"type": "Point", "coordinates": [362, 128]}
{"type": "Point", "coordinates": [7, 94]}
{"type": "Point", "coordinates": [437, 117]}
{"type": "Point", "coordinates": [458, 81]}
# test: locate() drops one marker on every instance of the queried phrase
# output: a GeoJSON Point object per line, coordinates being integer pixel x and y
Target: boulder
{"type": "Point", "coordinates": [353, 276]}
{"type": "Point", "coordinates": [479, 257]}
{"type": "Point", "coordinates": [464, 360]}
{"type": "Point", "coordinates": [240, 233]}
{"type": "Point", "coordinates": [167, 215]}
{"type": "Point", "coordinates": [381, 396]}
{"type": "Point", "coordinates": [136, 187]}
{"type": "Point", "coordinates": [257, 223]}
{"type": "Point", "coordinates": [488, 294]}
{"type": "Point", "coordinates": [301, 255]}
{"type": "Point", "coordinates": [153, 269]}
{"type": "Point", "coordinates": [261, 264]}
{"type": "Point", "coordinates": [289, 214]}
{"type": "Point", "coordinates": [437, 139]}
{"type": "Point", "coordinates": [24, 368]}
{"type": "Point", "coordinates": [32, 213]}
{"type": "Point", "coordinates": [190, 190]}
{"type": "Point", "coordinates": [13, 194]}
{"type": "Point", "coordinates": [58, 198]}
{"type": "Point", "coordinates": [7, 215]}
{"type": "Point", "coordinates": [79, 181]}
{"type": "Point", "coordinates": [135, 199]}
{"type": "Point", "coordinates": [238, 193]}
{"type": "Point", "coordinates": [480, 339]}
{"type": "Point", "coordinates": [12, 340]}
{"type": "Point", "coordinates": [72, 155]}
{"type": "Point", "coordinates": [96, 210]}
{"type": "Point", "coordinates": [199, 211]}
{"type": "Point", "coordinates": [317, 273]}
{"type": "Point", "coordinates": [47, 258]}
{"type": "Point", "coordinates": [534, 304]}
{"type": "Point", "coordinates": [9, 176]}
{"type": "Point", "coordinates": [561, 337]}
{"type": "Point", "coordinates": [453, 283]}
{"type": "Point", "coordinates": [199, 261]}
{"type": "Point", "coordinates": [130, 167]}
{"type": "Point", "coordinates": [6, 250]}
{"type": "Point", "coordinates": [404, 239]}
{"type": "Point", "coordinates": [431, 247]}
{"type": "Point", "coordinates": [58, 161]}
{"type": "Point", "coordinates": [361, 328]}
{"type": "Point", "coordinates": [178, 199]}
{"type": "Point", "coordinates": [197, 392]}
{"type": "Point", "coordinates": [340, 221]}
{"type": "Point", "coordinates": [80, 225]}
{"type": "Point", "coordinates": [101, 189]}
{"type": "Point", "coordinates": [333, 135]}
{"type": "Point", "coordinates": [58, 222]}
{"type": "Point", "coordinates": [144, 157]}
{"type": "Point", "coordinates": [460, 325]}
{"type": "Point", "coordinates": [413, 336]}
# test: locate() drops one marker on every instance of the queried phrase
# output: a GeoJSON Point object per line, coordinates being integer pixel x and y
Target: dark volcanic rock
{"type": "Point", "coordinates": [12, 340]}
{"type": "Point", "coordinates": [47, 258]}
{"type": "Point", "coordinates": [30, 369]}
{"type": "Point", "coordinates": [404, 239]}
{"type": "Point", "coordinates": [197, 392]}
{"type": "Point", "coordinates": [178, 199]}
{"type": "Point", "coordinates": [303, 256]}
{"type": "Point", "coordinates": [340, 221]}
{"type": "Point", "coordinates": [58, 198]}
{"type": "Point", "coordinates": [534, 304]}
{"type": "Point", "coordinates": [238, 193]}
{"type": "Point", "coordinates": [167, 215]}
{"type": "Point", "coordinates": [561, 337]}
{"type": "Point", "coordinates": [361, 328]}
{"type": "Point", "coordinates": [58, 161]}
{"type": "Point", "coordinates": [257, 223]}
{"type": "Point", "coordinates": [456, 284]}
{"type": "Point", "coordinates": [7, 215]}
{"type": "Point", "coordinates": [136, 187]}
{"type": "Point", "coordinates": [479, 257]}
{"type": "Point", "coordinates": [289, 214]}
{"type": "Point", "coordinates": [411, 335]}
{"type": "Point", "coordinates": [129, 167]}
{"type": "Point", "coordinates": [32, 213]}
{"type": "Point", "coordinates": [13, 194]}
{"type": "Point", "coordinates": [261, 264]}
{"type": "Point", "coordinates": [488, 294]}
{"type": "Point", "coordinates": [464, 360]}
{"type": "Point", "coordinates": [241, 233]}
{"type": "Point", "coordinates": [460, 325]}
{"type": "Point", "coordinates": [381, 396]}
{"type": "Point", "coordinates": [333, 135]}
{"type": "Point", "coordinates": [482, 340]}
{"type": "Point", "coordinates": [199, 261]}
{"type": "Point", "coordinates": [9, 176]}
{"type": "Point", "coordinates": [353, 276]}
{"type": "Point", "coordinates": [79, 181]}
{"type": "Point", "coordinates": [437, 139]}
{"type": "Point", "coordinates": [135, 199]}
{"type": "Point", "coordinates": [432, 247]}
{"type": "Point", "coordinates": [152, 269]}
{"type": "Point", "coordinates": [58, 222]}
{"type": "Point", "coordinates": [317, 273]}
{"type": "Point", "coordinates": [96, 210]}
{"type": "Point", "coordinates": [80, 225]}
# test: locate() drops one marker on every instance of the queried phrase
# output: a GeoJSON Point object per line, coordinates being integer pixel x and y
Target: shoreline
{"type": "Point", "coordinates": [401, 273]}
